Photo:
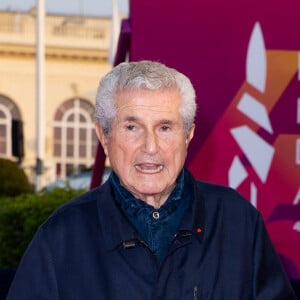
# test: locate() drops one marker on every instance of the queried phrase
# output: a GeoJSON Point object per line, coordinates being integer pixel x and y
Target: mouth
{"type": "Point", "coordinates": [148, 168]}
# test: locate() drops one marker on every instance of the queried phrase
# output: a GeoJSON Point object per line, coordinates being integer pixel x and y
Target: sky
{"type": "Point", "coordinates": [77, 7]}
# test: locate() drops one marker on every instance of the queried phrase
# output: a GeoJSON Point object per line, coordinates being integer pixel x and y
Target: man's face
{"type": "Point", "coordinates": [147, 146]}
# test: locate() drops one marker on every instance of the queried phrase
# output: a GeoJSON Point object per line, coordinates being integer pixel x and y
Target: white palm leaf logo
{"type": "Point", "coordinates": [257, 150]}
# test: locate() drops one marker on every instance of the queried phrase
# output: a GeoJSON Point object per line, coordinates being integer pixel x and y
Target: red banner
{"type": "Point", "coordinates": [243, 59]}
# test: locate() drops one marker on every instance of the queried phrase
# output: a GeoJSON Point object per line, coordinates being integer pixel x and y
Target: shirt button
{"type": "Point", "coordinates": [155, 215]}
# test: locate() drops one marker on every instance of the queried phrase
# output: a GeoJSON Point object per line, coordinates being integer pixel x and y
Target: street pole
{"type": "Point", "coordinates": [40, 92]}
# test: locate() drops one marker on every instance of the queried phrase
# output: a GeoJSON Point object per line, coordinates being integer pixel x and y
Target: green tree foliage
{"type": "Point", "coordinates": [21, 216]}
{"type": "Point", "coordinates": [13, 180]}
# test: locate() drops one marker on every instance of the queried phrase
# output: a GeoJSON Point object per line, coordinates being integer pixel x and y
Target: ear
{"type": "Point", "coordinates": [101, 136]}
{"type": "Point", "coordinates": [190, 135]}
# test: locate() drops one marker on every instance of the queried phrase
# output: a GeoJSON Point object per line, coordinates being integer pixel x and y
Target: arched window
{"type": "Point", "coordinates": [8, 112]}
{"type": "Point", "coordinates": [75, 141]}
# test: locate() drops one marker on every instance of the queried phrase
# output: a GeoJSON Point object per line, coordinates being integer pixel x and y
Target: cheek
{"type": "Point", "coordinates": [175, 147]}
{"type": "Point", "coordinates": [120, 154]}
{"type": "Point", "coordinates": [175, 157]}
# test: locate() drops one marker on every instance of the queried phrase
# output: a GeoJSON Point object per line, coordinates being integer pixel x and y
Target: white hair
{"type": "Point", "coordinates": [142, 75]}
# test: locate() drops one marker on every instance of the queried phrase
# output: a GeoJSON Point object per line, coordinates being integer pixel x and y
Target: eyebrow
{"type": "Point", "coordinates": [135, 119]}
{"type": "Point", "coordinates": [168, 122]}
{"type": "Point", "coordinates": [131, 119]}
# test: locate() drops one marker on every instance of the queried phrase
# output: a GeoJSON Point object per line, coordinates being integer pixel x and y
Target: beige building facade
{"type": "Point", "coordinates": [76, 57]}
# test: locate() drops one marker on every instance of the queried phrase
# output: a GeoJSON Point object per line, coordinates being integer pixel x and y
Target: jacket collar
{"type": "Point", "coordinates": [116, 229]}
{"type": "Point", "coordinates": [114, 226]}
{"type": "Point", "coordinates": [194, 219]}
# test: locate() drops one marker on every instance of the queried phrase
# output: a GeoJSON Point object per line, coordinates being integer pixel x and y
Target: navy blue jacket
{"type": "Point", "coordinates": [88, 250]}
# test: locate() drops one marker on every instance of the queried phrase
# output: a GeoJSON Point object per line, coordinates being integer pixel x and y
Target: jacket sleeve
{"type": "Point", "coordinates": [35, 276]}
{"type": "Point", "coordinates": [270, 280]}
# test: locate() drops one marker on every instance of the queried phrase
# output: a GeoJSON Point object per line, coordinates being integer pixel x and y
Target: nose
{"type": "Point", "coordinates": [150, 142]}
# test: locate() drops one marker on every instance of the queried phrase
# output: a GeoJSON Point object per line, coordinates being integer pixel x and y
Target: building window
{"type": "Point", "coordinates": [8, 112]}
{"type": "Point", "coordinates": [75, 141]}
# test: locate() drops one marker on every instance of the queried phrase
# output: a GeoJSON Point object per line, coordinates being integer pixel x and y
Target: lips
{"type": "Point", "coordinates": [149, 168]}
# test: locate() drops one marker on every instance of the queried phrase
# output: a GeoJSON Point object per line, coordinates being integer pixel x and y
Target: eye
{"type": "Point", "coordinates": [130, 127]}
{"type": "Point", "coordinates": [165, 128]}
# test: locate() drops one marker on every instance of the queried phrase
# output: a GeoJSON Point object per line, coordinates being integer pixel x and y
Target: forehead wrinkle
{"type": "Point", "coordinates": [133, 111]}
{"type": "Point", "coordinates": [161, 107]}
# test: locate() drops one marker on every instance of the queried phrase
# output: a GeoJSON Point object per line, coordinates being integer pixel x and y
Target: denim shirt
{"type": "Point", "coordinates": [156, 226]}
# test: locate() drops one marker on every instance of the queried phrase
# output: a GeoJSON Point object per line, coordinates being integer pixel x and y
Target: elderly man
{"type": "Point", "coordinates": [151, 231]}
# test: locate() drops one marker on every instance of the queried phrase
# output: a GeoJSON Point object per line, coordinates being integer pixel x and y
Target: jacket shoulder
{"type": "Point", "coordinates": [84, 205]}
{"type": "Point", "coordinates": [216, 194]}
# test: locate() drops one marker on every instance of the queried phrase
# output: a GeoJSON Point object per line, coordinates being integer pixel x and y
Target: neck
{"type": "Point", "coordinates": [156, 200]}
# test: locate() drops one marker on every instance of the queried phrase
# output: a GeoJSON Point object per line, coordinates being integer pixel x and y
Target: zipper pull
{"type": "Point", "coordinates": [195, 292]}
{"type": "Point", "coordinates": [129, 244]}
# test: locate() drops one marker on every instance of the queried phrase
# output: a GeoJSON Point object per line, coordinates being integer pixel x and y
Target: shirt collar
{"type": "Point", "coordinates": [132, 206]}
